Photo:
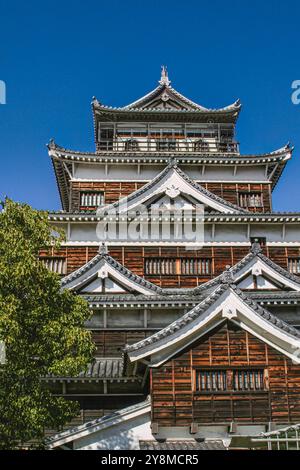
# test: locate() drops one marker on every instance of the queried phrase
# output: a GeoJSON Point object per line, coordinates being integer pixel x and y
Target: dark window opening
{"type": "Point", "coordinates": [262, 241]}
{"type": "Point", "coordinates": [131, 144]}
{"type": "Point", "coordinates": [201, 146]}
{"type": "Point", "coordinates": [166, 145]}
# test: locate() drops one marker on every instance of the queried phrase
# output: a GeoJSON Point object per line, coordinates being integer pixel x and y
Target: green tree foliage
{"type": "Point", "coordinates": [41, 325]}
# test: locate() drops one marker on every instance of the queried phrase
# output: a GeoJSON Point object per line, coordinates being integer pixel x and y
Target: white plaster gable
{"type": "Point", "coordinates": [231, 305]}
{"type": "Point", "coordinates": [103, 286]}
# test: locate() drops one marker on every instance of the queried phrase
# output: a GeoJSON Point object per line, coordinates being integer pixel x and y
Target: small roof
{"type": "Point", "coordinates": [102, 267]}
{"type": "Point", "coordinates": [100, 424]}
{"type": "Point", "coordinates": [100, 368]}
{"type": "Point", "coordinates": [258, 264]}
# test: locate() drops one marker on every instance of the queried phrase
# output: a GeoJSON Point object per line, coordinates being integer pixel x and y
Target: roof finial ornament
{"type": "Point", "coordinates": [164, 79]}
{"type": "Point", "coordinates": [173, 162]}
{"type": "Point", "coordinates": [256, 247]}
{"type": "Point", "coordinates": [227, 276]}
{"type": "Point", "coordinates": [103, 249]}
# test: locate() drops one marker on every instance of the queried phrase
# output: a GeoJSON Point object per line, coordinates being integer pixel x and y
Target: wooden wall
{"type": "Point", "coordinates": [174, 403]}
{"type": "Point", "coordinates": [114, 191]}
{"type": "Point", "coordinates": [112, 343]}
{"type": "Point", "coordinates": [133, 258]}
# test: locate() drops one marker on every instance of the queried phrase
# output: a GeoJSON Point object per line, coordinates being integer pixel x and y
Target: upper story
{"type": "Point", "coordinates": [136, 142]}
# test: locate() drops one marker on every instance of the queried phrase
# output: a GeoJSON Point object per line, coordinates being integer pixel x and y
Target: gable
{"type": "Point", "coordinates": [226, 302]}
{"type": "Point", "coordinates": [260, 273]}
{"type": "Point", "coordinates": [103, 286]}
{"type": "Point", "coordinates": [259, 282]}
{"type": "Point", "coordinates": [229, 344]}
{"type": "Point", "coordinates": [163, 98]}
{"type": "Point", "coordinates": [106, 275]}
{"type": "Point", "coordinates": [174, 183]}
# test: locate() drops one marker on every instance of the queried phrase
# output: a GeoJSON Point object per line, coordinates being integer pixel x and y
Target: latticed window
{"type": "Point", "coordinates": [232, 380]}
{"type": "Point", "coordinates": [55, 264]}
{"type": "Point", "coordinates": [180, 266]}
{"type": "Point", "coordinates": [294, 265]}
{"type": "Point", "coordinates": [131, 144]}
{"type": "Point", "coordinates": [201, 146]}
{"type": "Point", "coordinates": [250, 200]}
{"type": "Point", "coordinates": [211, 380]}
{"type": "Point", "coordinates": [91, 199]}
{"type": "Point", "coordinates": [244, 380]}
{"type": "Point", "coordinates": [195, 266]}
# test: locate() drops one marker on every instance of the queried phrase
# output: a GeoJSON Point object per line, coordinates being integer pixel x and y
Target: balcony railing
{"type": "Point", "coordinates": [167, 145]}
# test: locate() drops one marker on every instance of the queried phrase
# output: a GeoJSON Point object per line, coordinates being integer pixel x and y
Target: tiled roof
{"type": "Point", "coordinates": [189, 444]}
{"type": "Point", "coordinates": [107, 420]}
{"type": "Point", "coordinates": [100, 368]}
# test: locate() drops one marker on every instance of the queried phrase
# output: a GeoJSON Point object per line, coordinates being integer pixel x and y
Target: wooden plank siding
{"type": "Point", "coordinates": [176, 403]}
{"type": "Point", "coordinates": [111, 343]}
{"type": "Point", "coordinates": [113, 191]}
{"type": "Point", "coordinates": [134, 259]}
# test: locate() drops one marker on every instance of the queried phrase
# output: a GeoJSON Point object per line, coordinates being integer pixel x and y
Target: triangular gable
{"type": "Point", "coordinates": [98, 285]}
{"type": "Point", "coordinates": [257, 272]}
{"type": "Point", "coordinates": [225, 302]}
{"type": "Point", "coordinates": [166, 97]}
{"type": "Point", "coordinates": [106, 275]}
{"type": "Point", "coordinates": [173, 182]}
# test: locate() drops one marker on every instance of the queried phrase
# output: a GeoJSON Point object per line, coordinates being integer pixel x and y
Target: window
{"type": "Point", "coordinates": [178, 266]}
{"type": "Point", "coordinates": [294, 265]}
{"type": "Point", "coordinates": [91, 199]}
{"type": "Point", "coordinates": [200, 146]}
{"type": "Point", "coordinates": [250, 200]}
{"type": "Point", "coordinates": [106, 138]}
{"type": "Point", "coordinates": [225, 147]}
{"type": "Point", "coordinates": [166, 145]}
{"type": "Point", "coordinates": [131, 144]}
{"type": "Point", "coordinates": [211, 380]}
{"type": "Point", "coordinates": [233, 380]}
{"type": "Point", "coordinates": [55, 264]}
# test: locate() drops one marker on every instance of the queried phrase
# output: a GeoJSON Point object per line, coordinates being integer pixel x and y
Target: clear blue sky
{"type": "Point", "coordinates": [56, 55]}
